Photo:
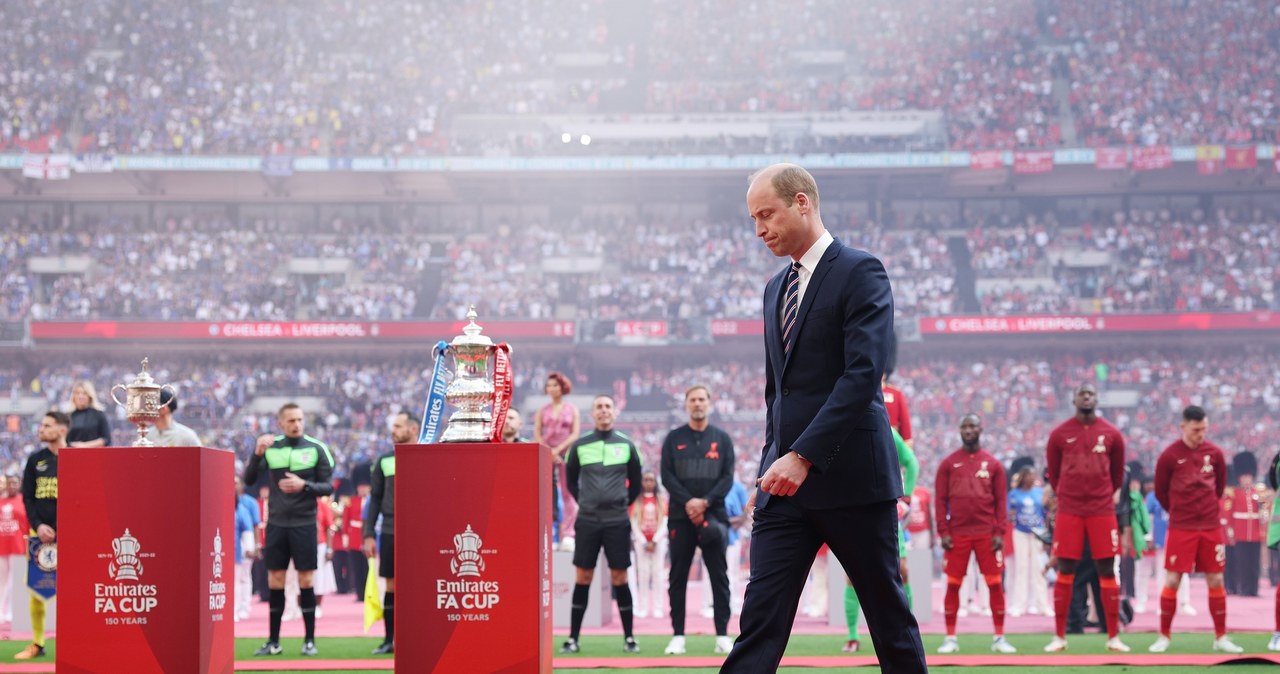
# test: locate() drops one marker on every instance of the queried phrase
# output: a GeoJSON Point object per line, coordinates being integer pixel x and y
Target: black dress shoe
{"type": "Point", "coordinates": [385, 648]}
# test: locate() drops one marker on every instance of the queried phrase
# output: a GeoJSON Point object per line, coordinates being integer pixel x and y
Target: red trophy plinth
{"type": "Point", "coordinates": [146, 543]}
{"type": "Point", "coordinates": [473, 556]}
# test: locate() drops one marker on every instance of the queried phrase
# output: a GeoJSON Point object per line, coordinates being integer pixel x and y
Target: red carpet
{"type": "Point", "coordinates": [834, 662]}
{"type": "Point", "coordinates": [688, 662]}
{"type": "Point", "coordinates": [250, 666]}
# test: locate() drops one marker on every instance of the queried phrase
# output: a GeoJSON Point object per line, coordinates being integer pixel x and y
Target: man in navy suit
{"type": "Point", "coordinates": [828, 470]}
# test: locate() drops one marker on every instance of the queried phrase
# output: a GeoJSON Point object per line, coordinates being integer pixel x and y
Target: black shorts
{"type": "Point", "coordinates": [296, 543]}
{"type": "Point", "coordinates": [387, 556]}
{"type": "Point", "coordinates": [614, 537]}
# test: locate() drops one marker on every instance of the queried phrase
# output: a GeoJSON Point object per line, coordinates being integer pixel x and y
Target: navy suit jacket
{"type": "Point", "coordinates": [823, 399]}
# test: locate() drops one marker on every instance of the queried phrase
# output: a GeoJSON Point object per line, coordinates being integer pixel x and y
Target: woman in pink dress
{"type": "Point", "coordinates": [556, 427]}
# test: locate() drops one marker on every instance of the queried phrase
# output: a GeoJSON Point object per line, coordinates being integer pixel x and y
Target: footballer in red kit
{"type": "Point", "coordinates": [970, 500]}
{"type": "Point", "coordinates": [1084, 464]}
{"type": "Point", "coordinates": [1191, 475]}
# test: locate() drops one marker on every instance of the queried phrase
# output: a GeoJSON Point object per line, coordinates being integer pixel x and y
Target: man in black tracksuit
{"type": "Point", "coordinates": [382, 501]}
{"type": "Point", "coordinates": [697, 470]}
{"type": "Point", "coordinates": [301, 470]}
{"type": "Point", "coordinates": [603, 471]}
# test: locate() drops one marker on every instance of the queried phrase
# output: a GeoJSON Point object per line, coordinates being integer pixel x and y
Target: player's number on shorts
{"type": "Point", "coordinates": [1220, 553]}
{"type": "Point", "coordinates": [1115, 539]}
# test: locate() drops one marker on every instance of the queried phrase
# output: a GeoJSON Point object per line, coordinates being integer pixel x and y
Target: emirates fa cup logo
{"type": "Point", "coordinates": [217, 553]}
{"type": "Point", "coordinates": [467, 560]}
{"type": "Point", "coordinates": [126, 565]}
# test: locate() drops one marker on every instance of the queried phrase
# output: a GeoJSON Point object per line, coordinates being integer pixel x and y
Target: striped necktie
{"type": "Point", "coordinates": [791, 308]}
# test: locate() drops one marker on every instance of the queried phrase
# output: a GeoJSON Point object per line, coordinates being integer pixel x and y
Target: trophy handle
{"type": "Point", "coordinates": [122, 388]}
{"type": "Point", "coordinates": [172, 391]}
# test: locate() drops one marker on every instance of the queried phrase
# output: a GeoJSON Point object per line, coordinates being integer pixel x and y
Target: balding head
{"type": "Point", "coordinates": [787, 180]}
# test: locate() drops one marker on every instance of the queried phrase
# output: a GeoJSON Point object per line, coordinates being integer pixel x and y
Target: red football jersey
{"type": "Point", "coordinates": [1085, 466]}
{"type": "Point", "coordinates": [1189, 485]}
{"type": "Point", "coordinates": [970, 495]}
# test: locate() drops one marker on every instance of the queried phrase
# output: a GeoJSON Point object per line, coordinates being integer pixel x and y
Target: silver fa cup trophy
{"type": "Point", "coordinates": [142, 403]}
{"type": "Point", "coordinates": [471, 390]}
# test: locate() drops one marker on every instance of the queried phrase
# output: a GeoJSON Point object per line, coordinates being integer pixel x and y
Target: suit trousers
{"type": "Point", "coordinates": [784, 541]}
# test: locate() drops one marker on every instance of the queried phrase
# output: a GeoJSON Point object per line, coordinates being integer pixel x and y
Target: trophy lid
{"type": "Point", "coordinates": [144, 379]}
{"type": "Point", "coordinates": [471, 333]}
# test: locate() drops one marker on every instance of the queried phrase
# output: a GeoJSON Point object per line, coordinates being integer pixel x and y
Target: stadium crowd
{"type": "Point", "coordinates": [609, 268]}
{"type": "Point", "coordinates": [246, 78]}
{"type": "Point", "coordinates": [1142, 75]}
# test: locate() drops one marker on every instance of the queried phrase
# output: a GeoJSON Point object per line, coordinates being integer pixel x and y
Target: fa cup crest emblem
{"type": "Point", "coordinates": [467, 560]}
{"type": "Point", "coordinates": [126, 565]}
{"type": "Point", "coordinates": [217, 553]}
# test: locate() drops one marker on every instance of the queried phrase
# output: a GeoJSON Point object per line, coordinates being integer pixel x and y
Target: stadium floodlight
{"type": "Point", "coordinates": [586, 139]}
{"type": "Point", "coordinates": [566, 137]}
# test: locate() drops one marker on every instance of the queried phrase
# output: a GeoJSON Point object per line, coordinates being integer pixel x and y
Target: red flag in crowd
{"type": "Point", "coordinates": [1242, 158]}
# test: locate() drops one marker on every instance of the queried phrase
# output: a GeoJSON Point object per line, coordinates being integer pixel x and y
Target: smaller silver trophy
{"type": "Point", "coordinates": [471, 390]}
{"type": "Point", "coordinates": [142, 403]}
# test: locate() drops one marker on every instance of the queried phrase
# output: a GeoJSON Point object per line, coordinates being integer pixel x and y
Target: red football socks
{"type": "Point", "coordinates": [951, 603]}
{"type": "Point", "coordinates": [1111, 604]}
{"type": "Point", "coordinates": [1168, 606]}
{"type": "Point", "coordinates": [1062, 602]}
{"type": "Point", "coordinates": [997, 605]}
{"type": "Point", "coordinates": [1218, 609]}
